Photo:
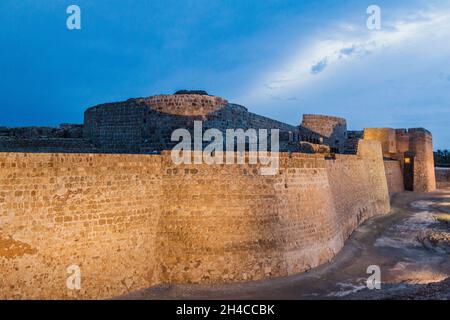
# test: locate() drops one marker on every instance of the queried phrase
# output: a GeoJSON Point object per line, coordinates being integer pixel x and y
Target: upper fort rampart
{"type": "Point", "coordinates": [176, 104]}
{"type": "Point", "coordinates": [332, 130]}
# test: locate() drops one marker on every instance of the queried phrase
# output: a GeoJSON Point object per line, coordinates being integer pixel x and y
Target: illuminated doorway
{"type": "Point", "coordinates": [408, 171]}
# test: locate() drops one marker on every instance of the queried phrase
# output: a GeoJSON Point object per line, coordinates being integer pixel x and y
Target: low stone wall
{"type": "Point", "coordinates": [443, 178]}
{"type": "Point", "coordinates": [99, 212]}
{"type": "Point", "coordinates": [394, 176]}
{"type": "Point", "coordinates": [133, 221]}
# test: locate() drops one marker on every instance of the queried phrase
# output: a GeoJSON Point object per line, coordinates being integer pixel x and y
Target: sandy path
{"type": "Point", "coordinates": [390, 242]}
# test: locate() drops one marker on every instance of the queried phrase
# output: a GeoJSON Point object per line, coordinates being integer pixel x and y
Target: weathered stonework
{"type": "Point", "coordinates": [100, 212]}
{"type": "Point", "coordinates": [96, 196]}
{"type": "Point", "coordinates": [394, 176]}
{"type": "Point", "coordinates": [132, 221]}
{"type": "Point", "coordinates": [386, 136]}
{"type": "Point", "coordinates": [332, 130]}
{"type": "Point", "coordinates": [146, 125]}
{"type": "Point", "coordinates": [421, 145]}
{"type": "Point", "coordinates": [416, 144]}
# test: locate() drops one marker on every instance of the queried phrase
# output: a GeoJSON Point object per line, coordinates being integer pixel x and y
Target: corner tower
{"type": "Point", "coordinates": [413, 148]}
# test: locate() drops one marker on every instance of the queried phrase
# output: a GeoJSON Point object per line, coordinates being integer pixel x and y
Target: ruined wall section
{"type": "Point", "coordinates": [333, 130]}
{"type": "Point", "coordinates": [46, 145]}
{"type": "Point", "coordinates": [65, 130]}
{"type": "Point", "coordinates": [64, 138]}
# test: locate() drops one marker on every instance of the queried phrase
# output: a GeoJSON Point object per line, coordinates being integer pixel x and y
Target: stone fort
{"type": "Point", "coordinates": [106, 196]}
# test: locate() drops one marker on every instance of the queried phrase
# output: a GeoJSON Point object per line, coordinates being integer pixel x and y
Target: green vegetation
{"type": "Point", "coordinates": [442, 158]}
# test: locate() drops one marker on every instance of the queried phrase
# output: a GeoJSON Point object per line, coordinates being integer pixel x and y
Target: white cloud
{"type": "Point", "coordinates": [320, 57]}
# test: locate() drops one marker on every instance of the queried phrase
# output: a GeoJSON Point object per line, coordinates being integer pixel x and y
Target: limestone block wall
{"type": "Point", "coordinates": [394, 176]}
{"type": "Point", "coordinates": [421, 144]}
{"type": "Point", "coordinates": [133, 221]}
{"type": "Point", "coordinates": [228, 223]}
{"type": "Point", "coordinates": [332, 129]}
{"type": "Point", "coordinates": [402, 137]}
{"type": "Point", "coordinates": [99, 212]}
{"type": "Point", "coordinates": [145, 125]}
{"type": "Point", "coordinates": [359, 186]}
{"type": "Point", "coordinates": [386, 136]}
{"type": "Point", "coordinates": [115, 127]}
{"type": "Point", "coordinates": [186, 104]}
{"type": "Point", "coordinates": [443, 178]}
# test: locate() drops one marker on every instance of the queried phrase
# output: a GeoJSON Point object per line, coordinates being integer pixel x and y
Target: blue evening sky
{"type": "Point", "coordinates": [279, 58]}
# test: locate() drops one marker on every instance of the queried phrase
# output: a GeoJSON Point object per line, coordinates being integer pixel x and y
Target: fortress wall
{"type": "Point", "coordinates": [96, 211]}
{"type": "Point", "coordinates": [443, 177]}
{"type": "Point", "coordinates": [402, 140]}
{"type": "Point", "coordinates": [133, 221]}
{"type": "Point", "coordinates": [229, 223]}
{"type": "Point", "coordinates": [146, 125]}
{"type": "Point", "coordinates": [359, 186]}
{"type": "Point", "coordinates": [421, 144]}
{"type": "Point", "coordinates": [115, 127]}
{"type": "Point", "coordinates": [394, 176]}
{"type": "Point", "coordinates": [307, 216]}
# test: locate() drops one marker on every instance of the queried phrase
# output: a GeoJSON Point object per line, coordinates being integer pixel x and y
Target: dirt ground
{"type": "Point", "coordinates": [411, 246]}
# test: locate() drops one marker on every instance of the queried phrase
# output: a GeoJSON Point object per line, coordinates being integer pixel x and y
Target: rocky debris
{"type": "Point", "coordinates": [435, 240]}
{"type": "Point", "coordinates": [307, 147]}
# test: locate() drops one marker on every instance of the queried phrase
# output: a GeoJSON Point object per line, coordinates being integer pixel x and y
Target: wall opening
{"type": "Point", "coordinates": [408, 171]}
